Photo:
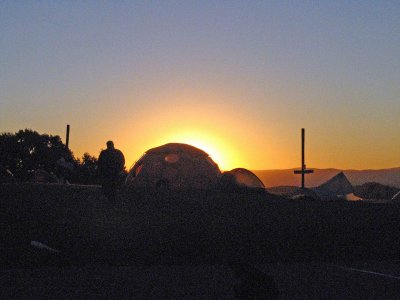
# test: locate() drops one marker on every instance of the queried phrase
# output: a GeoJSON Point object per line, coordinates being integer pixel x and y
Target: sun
{"type": "Point", "coordinates": [218, 149]}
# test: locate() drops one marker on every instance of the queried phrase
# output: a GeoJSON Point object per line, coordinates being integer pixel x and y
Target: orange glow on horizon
{"type": "Point", "coordinates": [219, 151]}
{"type": "Point", "coordinates": [230, 136]}
{"type": "Point", "coordinates": [223, 153]}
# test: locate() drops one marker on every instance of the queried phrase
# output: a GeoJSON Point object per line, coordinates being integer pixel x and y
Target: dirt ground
{"type": "Point", "coordinates": [193, 245]}
{"type": "Point", "coordinates": [193, 227]}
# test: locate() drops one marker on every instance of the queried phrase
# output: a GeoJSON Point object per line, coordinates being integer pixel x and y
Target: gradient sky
{"type": "Point", "coordinates": [235, 78]}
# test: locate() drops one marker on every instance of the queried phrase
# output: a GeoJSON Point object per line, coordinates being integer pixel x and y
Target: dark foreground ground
{"type": "Point", "coordinates": [188, 245]}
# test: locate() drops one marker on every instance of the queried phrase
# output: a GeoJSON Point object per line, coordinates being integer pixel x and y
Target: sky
{"type": "Point", "coordinates": [238, 79]}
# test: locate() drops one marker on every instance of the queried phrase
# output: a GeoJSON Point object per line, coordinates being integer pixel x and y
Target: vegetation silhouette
{"type": "Point", "coordinates": [25, 152]}
{"type": "Point", "coordinates": [86, 170]}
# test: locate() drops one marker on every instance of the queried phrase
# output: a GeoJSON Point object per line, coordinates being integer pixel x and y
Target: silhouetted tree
{"type": "Point", "coordinates": [8, 150]}
{"type": "Point", "coordinates": [27, 150]}
{"type": "Point", "coordinates": [86, 171]}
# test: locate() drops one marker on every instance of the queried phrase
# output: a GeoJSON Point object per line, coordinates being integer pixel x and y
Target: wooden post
{"type": "Point", "coordinates": [303, 170]}
{"type": "Point", "coordinates": [303, 165]}
{"type": "Point", "coordinates": [67, 138]}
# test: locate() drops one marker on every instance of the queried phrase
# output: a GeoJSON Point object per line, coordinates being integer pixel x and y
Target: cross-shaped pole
{"type": "Point", "coordinates": [303, 170]}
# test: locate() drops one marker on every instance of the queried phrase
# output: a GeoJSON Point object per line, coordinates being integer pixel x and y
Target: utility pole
{"type": "Point", "coordinates": [303, 170]}
{"type": "Point", "coordinates": [67, 138]}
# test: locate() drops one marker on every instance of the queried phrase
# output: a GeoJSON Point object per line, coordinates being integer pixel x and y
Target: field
{"type": "Point", "coordinates": [150, 228]}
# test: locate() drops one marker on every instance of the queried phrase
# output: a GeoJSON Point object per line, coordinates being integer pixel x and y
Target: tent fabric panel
{"type": "Point", "coordinates": [178, 166]}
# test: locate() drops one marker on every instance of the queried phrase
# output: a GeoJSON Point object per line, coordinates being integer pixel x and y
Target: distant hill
{"type": "Point", "coordinates": [270, 178]}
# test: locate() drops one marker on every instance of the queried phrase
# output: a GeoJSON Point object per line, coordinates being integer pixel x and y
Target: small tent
{"type": "Point", "coordinates": [241, 178]}
{"type": "Point", "coordinates": [42, 176]}
{"type": "Point", "coordinates": [336, 187]}
{"type": "Point", "coordinates": [174, 166]}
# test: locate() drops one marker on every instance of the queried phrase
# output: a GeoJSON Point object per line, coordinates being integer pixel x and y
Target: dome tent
{"type": "Point", "coordinates": [241, 178]}
{"type": "Point", "coordinates": [174, 166]}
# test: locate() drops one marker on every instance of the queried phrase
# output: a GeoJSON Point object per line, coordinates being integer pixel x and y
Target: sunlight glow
{"type": "Point", "coordinates": [218, 150]}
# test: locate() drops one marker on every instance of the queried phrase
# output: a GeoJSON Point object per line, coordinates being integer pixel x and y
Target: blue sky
{"type": "Point", "coordinates": [248, 74]}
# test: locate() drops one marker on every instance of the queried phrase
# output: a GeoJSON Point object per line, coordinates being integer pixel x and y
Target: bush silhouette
{"type": "Point", "coordinates": [26, 151]}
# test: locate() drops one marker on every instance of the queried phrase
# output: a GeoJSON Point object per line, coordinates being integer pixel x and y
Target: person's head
{"type": "Point", "coordinates": [110, 145]}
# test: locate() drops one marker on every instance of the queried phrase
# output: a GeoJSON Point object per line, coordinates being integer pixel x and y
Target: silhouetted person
{"type": "Point", "coordinates": [111, 163]}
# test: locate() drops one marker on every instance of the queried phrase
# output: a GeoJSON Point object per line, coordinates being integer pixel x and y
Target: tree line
{"type": "Point", "coordinates": [25, 152]}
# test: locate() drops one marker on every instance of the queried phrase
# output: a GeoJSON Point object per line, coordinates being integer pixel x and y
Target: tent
{"type": "Point", "coordinates": [174, 166]}
{"type": "Point", "coordinates": [241, 178]}
{"type": "Point", "coordinates": [336, 187]}
{"type": "Point", "coordinates": [42, 176]}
